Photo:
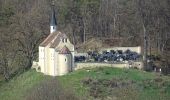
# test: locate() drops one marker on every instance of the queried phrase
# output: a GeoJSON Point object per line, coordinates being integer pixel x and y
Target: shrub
{"type": "Point", "coordinates": [87, 81]}
{"type": "Point", "coordinates": [50, 90]}
{"type": "Point", "coordinates": [101, 88]}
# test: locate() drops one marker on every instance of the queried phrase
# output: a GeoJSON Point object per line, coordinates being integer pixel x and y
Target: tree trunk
{"type": "Point", "coordinates": [29, 63]}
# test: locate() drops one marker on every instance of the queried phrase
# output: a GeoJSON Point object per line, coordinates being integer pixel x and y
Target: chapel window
{"type": "Point", "coordinates": [66, 40]}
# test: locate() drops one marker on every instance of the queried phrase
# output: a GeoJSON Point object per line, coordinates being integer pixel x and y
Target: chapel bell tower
{"type": "Point", "coordinates": [53, 21]}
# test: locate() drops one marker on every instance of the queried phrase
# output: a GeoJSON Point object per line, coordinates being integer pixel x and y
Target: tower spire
{"type": "Point", "coordinates": [53, 21]}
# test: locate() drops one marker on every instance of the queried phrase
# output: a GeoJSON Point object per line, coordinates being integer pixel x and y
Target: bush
{"type": "Point", "coordinates": [101, 88]}
{"type": "Point", "coordinates": [50, 90]}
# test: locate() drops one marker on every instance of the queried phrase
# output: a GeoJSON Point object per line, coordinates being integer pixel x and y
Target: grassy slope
{"type": "Point", "coordinates": [19, 86]}
{"type": "Point", "coordinates": [152, 92]}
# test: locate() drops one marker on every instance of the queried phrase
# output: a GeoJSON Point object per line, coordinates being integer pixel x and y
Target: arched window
{"type": "Point", "coordinates": [66, 40]}
{"type": "Point", "coordinates": [65, 60]}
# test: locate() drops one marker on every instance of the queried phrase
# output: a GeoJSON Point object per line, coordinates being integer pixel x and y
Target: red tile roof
{"type": "Point", "coordinates": [58, 39]}
{"type": "Point", "coordinates": [54, 39]}
{"type": "Point", "coordinates": [65, 50]}
{"type": "Point", "coordinates": [49, 39]}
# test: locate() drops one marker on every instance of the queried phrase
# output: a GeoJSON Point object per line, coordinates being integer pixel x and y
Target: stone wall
{"type": "Point", "coordinates": [135, 49]}
{"type": "Point", "coordinates": [138, 65]}
{"type": "Point", "coordinates": [36, 66]}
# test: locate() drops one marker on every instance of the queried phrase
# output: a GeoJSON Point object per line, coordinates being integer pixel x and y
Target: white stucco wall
{"type": "Point", "coordinates": [56, 63]}
{"type": "Point", "coordinates": [41, 62]}
{"type": "Point", "coordinates": [47, 60]}
{"type": "Point", "coordinates": [51, 62]}
{"type": "Point", "coordinates": [70, 47]}
{"type": "Point", "coordinates": [64, 64]}
{"type": "Point", "coordinates": [53, 29]}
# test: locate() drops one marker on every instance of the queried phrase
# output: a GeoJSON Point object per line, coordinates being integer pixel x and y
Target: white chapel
{"type": "Point", "coordinates": [56, 52]}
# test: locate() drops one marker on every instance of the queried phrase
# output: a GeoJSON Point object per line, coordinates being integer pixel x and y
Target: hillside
{"type": "Point", "coordinates": [16, 88]}
{"type": "Point", "coordinates": [89, 25]}
{"type": "Point", "coordinates": [99, 83]}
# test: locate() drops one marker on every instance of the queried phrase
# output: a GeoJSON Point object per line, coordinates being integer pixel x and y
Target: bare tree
{"type": "Point", "coordinates": [7, 53]}
{"type": "Point", "coordinates": [28, 31]}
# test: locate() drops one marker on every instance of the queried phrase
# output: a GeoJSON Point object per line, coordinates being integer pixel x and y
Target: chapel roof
{"type": "Point", "coordinates": [53, 39]}
{"type": "Point", "coordinates": [58, 39]}
{"type": "Point", "coordinates": [49, 38]}
{"type": "Point", "coordinates": [65, 50]}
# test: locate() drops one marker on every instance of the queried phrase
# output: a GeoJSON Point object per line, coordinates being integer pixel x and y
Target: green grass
{"type": "Point", "coordinates": [18, 87]}
{"type": "Point", "coordinates": [137, 90]}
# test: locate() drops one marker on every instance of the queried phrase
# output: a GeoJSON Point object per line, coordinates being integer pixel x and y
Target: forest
{"type": "Point", "coordinates": [25, 23]}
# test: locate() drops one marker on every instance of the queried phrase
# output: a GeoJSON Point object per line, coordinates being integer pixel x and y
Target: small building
{"type": "Point", "coordinates": [56, 52]}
